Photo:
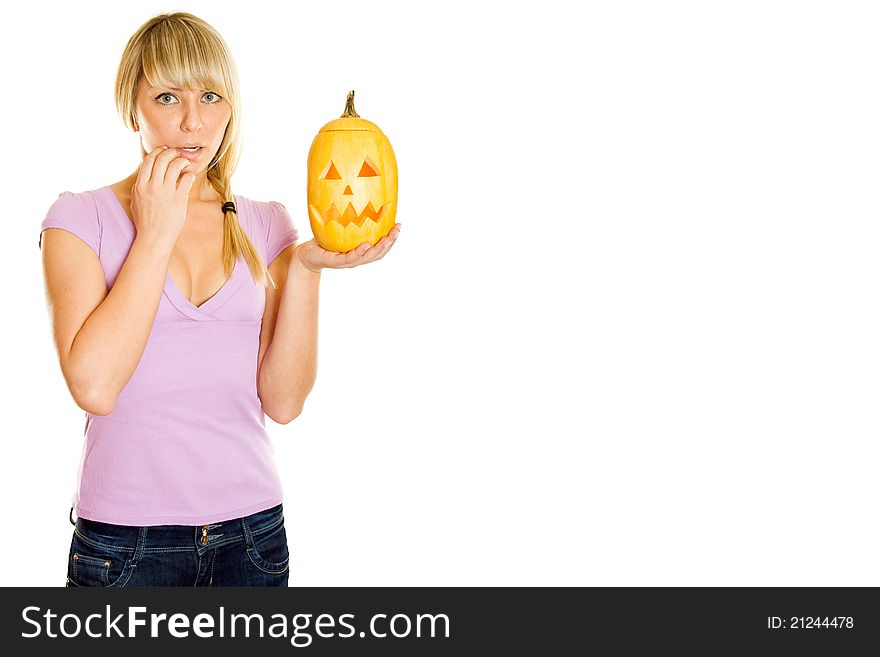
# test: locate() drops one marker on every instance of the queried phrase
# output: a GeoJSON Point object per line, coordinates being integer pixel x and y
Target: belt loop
{"type": "Point", "coordinates": [70, 517]}
{"type": "Point", "coordinates": [248, 539]}
{"type": "Point", "coordinates": [141, 544]}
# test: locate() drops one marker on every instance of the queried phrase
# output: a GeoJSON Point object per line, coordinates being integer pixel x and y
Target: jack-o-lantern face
{"type": "Point", "coordinates": [352, 185]}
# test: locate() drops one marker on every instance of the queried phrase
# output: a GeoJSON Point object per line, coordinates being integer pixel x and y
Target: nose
{"type": "Point", "coordinates": [348, 191]}
{"type": "Point", "coordinates": [191, 120]}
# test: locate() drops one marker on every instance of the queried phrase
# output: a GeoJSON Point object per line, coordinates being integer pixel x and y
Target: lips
{"type": "Point", "coordinates": [190, 155]}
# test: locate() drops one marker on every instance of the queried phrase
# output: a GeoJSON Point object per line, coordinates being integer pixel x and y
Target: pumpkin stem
{"type": "Point", "coordinates": [349, 107]}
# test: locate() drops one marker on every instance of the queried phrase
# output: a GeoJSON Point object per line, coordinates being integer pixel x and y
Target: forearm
{"type": "Point", "coordinates": [109, 346]}
{"type": "Point", "coordinates": [290, 365]}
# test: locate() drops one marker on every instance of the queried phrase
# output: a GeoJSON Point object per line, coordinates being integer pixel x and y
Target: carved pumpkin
{"type": "Point", "coordinates": [352, 185]}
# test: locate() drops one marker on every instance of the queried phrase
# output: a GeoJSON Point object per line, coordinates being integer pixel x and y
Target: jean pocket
{"type": "Point", "coordinates": [92, 563]}
{"type": "Point", "coordinates": [269, 552]}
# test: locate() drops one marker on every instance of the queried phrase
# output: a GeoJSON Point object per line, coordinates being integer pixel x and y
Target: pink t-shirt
{"type": "Point", "coordinates": [186, 443]}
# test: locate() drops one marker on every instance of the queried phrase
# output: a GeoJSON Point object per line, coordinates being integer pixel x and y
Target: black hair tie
{"type": "Point", "coordinates": [229, 205]}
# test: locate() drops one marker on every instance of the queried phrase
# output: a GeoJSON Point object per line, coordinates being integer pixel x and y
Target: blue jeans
{"type": "Point", "coordinates": [248, 551]}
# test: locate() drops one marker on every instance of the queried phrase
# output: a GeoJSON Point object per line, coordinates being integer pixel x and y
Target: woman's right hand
{"type": "Point", "coordinates": [158, 201]}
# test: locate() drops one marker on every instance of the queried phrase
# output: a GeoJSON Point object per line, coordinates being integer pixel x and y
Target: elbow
{"type": "Point", "coordinates": [286, 407]}
{"type": "Point", "coordinates": [91, 402]}
{"type": "Point", "coordinates": [96, 407]}
{"type": "Point", "coordinates": [288, 416]}
{"type": "Point", "coordinates": [86, 392]}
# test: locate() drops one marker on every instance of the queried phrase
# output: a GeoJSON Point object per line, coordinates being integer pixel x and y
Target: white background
{"type": "Point", "coordinates": [628, 336]}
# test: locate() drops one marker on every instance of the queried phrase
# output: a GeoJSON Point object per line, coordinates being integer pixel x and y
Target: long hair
{"type": "Point", "coordinates": [181, 50]}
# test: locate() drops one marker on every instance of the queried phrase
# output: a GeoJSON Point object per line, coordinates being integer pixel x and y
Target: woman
{"type": "Point", "coordinates": [182, 314]}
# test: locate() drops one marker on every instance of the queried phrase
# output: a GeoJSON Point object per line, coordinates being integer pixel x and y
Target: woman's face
{"type": "Point", "coordinates": [176, 118]}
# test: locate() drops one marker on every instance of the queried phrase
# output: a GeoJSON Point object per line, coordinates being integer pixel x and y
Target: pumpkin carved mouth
{"type": "Point", "coordinates": [350, 215]}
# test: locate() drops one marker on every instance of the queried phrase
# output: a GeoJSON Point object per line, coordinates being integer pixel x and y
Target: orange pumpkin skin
{"type": "Point", "coordinates": [352, 182]}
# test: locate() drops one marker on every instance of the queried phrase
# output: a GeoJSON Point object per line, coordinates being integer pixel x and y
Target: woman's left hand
{"type": "Point", "coordinates": [314, 257]}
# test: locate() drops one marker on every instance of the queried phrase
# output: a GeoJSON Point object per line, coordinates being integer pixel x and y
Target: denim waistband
{"type": "Point", "coordinates": [178, 538]}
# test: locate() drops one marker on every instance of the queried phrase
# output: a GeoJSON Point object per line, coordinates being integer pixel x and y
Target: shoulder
{"type": "Point", "coordinates": [76, 202]}
{"type": "Point", "coordinates": [269, 219]}
{"type": "Point", "coordinates": [263, 211]}
{"type": "Point", "coordinates": [270, 225]}
{"type": "Point", "coordinates": [78, 213]}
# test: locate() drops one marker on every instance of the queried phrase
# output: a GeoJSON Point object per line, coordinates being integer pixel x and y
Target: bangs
{"type": "Point", "coordinates": [176, 56]}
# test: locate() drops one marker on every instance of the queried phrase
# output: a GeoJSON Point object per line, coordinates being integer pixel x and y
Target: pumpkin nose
{"type": "Point", "coordinates": [348, 191]}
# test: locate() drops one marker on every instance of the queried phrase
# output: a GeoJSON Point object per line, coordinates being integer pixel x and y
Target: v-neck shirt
{"type": "Point", "coordinates": [186, 441]}
{"type": "Point", "coordinates": [171, 287]}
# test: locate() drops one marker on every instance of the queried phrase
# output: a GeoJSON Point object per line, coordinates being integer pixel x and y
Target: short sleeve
{"type": "Point", "coordinates": [280, 232]}
{"type": "Point", "coordinates": [77, 214]}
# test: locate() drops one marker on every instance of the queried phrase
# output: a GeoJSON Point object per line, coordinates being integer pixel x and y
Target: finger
{"type": "Point", "coordinates": [337, 260]}
{"type": "Point", "coordinates": [146, 169]}
{"type": "Point", "coordinates": [385, 250]}
{"type": "Point", "coordinates": [379, 250]}
{"type": "Point", "coordinates": [345, 259]}
{"type": "Point", "coordinates": [172, 173]}
{"type": "Point", "coordinates": [186, 182]}
{"type": "Point", "coordinates": [374, 254]}
{"type": "Point", "coordinates": [357, 254]}
{"type": "Point", "coordinates": [352, 258]}
{"type": "Point", "coordinates": [160, 166]}
{"type": "Point", "coordinates": [382, 247]}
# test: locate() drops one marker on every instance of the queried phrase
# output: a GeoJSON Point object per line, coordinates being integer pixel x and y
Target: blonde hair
{"type": "Point", "coordinates": [181, 50]}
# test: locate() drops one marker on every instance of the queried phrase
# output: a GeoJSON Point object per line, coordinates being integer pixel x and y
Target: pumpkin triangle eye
{"type": "Point", "coordinates": [332, 173]}
{"type": "Point", "coordinates": [367, 171]}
